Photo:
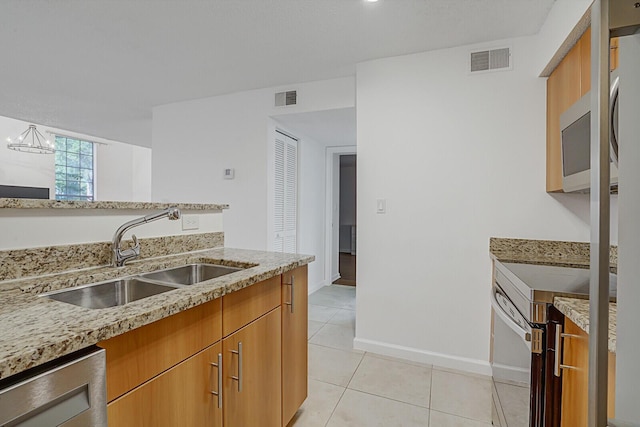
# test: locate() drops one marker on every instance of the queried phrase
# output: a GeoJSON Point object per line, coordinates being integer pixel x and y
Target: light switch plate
{"type": "Point", "coordinates": [381, 206]}
{"type": "Point", "coordinates": [229, 173]}
{"type": "Point", "coordinates": [190, 222]}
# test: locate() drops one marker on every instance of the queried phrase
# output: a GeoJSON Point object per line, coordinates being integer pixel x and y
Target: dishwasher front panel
{"type": "Point", "coordinates": [68, 392]}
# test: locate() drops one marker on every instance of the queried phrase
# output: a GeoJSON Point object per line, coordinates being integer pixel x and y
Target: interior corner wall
{"type": "Point", "coordinates": [311, 207]}
{"type": "Point", "coordinates": [459, 158]}
{"type": "Point", "coordinates": [123, 172]}
{"type": "Point", "coordinates": [562, 18]}
{"type": "Point", "coordinates": [194, 141]}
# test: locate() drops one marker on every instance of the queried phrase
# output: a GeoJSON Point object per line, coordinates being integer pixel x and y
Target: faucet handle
{"type": "Point", "coordinates": [136, 245]}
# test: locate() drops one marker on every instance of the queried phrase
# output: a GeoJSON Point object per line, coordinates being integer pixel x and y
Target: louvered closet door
{"type": "Point", "coordinates": [286, 194]}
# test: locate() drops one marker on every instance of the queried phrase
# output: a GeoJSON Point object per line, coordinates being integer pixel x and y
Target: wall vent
{"type": "Point", "coordinates": [489, 60]}
{"type": "Point", "coordinates": [286, 98]}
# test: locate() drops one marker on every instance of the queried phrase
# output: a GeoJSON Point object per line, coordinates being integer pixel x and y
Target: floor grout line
{"type": "Point", "coordinates": [335, 407]}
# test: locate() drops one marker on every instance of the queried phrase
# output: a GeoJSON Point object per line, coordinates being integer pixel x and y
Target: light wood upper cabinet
{"type": "Point", "coordinates": [294, 341]}
{"type": "Point", "coordinates": [564, 87]}
{"type": "Point", "coordinates": [180, 396]}
{"type": "Point", "coordinates": [575, 382]}
{"type": "Point", "coordinates": [567, 84]}
{"type": "Point", "coordinates": [252, 368]}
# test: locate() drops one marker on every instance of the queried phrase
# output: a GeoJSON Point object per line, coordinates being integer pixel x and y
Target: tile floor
{"type": "Point", "coordinates": [348, 387]}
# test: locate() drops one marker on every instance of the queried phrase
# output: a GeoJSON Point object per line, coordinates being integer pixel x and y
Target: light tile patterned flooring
{"type": "Point", "coordinates": [352, 388]}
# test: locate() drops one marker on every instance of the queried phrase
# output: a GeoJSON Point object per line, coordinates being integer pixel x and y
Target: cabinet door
{"type": "Point", "coordinates": [251, 374]}
{"type": "Point", "coordinates": [575, 382]}
{"type": "Point", "coordinates": [181, 396]}
{"type": "Point", "coordinates": [141, 354]}
{"type": "Point", "coordinates": [563, 89]}
{"type": "Point", "coordinates": [294, 341]}
{"type": "Point", "coordinates": [585, 62]}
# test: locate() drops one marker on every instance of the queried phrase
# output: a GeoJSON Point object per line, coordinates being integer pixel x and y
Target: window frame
{"type": "Point", "coordinates": [90, 185]}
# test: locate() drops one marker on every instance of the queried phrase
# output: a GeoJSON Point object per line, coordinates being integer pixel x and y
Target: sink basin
{"type": "Point", "coordinates": [190, 274]}
{"type": "Point", "coordinates": [109, 294]}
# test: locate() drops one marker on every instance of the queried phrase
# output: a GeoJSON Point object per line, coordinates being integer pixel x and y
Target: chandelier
{"type": "Point", "coordinates": [31, 141]}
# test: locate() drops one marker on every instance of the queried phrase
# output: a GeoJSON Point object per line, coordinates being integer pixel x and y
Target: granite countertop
{"type": "Point", "coordinates": [562, 254]}
{"type": "Point", "coordinates": [546, 252]}
{"type": "Point", "coordinates": [7, 203]}
{"type": "Point", "coordinates": [36, 330]}
{"type": "Point", "coordinates": [578, 311]}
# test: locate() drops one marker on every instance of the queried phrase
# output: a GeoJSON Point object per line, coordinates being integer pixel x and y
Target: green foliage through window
{"type": "Point", "coordinates": [74, 169]}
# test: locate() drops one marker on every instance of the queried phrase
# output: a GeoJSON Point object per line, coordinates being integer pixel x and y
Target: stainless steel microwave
{"type": "Point", "coordinates": [575, 129]}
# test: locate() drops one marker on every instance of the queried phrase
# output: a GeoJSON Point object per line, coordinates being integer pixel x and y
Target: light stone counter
{"type": "Point", "coordinates": [7, 203]}
{"type": "Point", "coordinates": [36, 330]}
{"type": "Point", "coordinates": [578, 311]}
{"type": "Point", "coordinates": [562, 254]}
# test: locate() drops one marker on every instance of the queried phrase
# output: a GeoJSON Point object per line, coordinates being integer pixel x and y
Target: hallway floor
{"type": "Point", "coordinates": [348, 387]}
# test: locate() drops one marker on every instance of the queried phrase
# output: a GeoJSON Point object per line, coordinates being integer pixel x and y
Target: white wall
{"type": "Point", "coordinates": [30, 228]}
{"type": "Point", "coordinates": [628, 338]}
{"type": "Point", "coordinates": [123, 171]}
{"type": "Point", "coordinates": [311, 201]}
{"type": "Point", "coordinates": [24, 169]}
{"type": "Point", "coordinates": [459, 158]}
{"type": "Point", "coordinates": [194, 141]}
{"type": "Point", "coordinates": [561, 20]}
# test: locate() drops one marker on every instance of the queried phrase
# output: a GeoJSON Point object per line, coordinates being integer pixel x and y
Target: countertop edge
{"type": "Point", "coordinates": [577, 310]}
{"type": "Point", "coordinates": [99, 325]}
{"type": "Point", "coordinates": [7, 203]}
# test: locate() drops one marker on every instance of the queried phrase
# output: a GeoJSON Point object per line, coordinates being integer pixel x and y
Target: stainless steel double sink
{"type": "Point", "coordinates": [122, 291]}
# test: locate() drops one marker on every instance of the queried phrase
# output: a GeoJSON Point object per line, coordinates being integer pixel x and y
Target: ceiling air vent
{"type": "Point", "coordinates": [286, 98]}
{"type": "Point", "coordinates": [488, 60]}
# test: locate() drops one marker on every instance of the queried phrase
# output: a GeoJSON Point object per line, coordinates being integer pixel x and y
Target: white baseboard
{"type": "Point", "coordinates": [475, 366]}
{"type": "Point", "coordinates": [334, 278]}
{"type": "Point", "coordinates": [313, 288]}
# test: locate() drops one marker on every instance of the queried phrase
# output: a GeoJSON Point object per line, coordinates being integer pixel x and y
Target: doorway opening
{"type": "Point", "coordinates": [347, 221]}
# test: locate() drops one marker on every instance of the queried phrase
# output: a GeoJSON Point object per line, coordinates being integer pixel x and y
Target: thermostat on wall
{"type": "Point", "coordinates": [229, 173]}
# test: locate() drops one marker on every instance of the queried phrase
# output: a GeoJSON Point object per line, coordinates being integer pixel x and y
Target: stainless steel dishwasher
{"type": "Point", "coordinates": [70, 391]}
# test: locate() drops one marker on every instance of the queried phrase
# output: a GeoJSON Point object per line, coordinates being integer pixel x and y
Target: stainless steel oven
{"type": "Point", "coordinates": [70, 392]}
{"type": "Point", "coordinates": [526, 393]}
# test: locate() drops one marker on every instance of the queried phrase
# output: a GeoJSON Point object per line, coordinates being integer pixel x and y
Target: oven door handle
{"type": "Point", "coordinates": [522, 333]}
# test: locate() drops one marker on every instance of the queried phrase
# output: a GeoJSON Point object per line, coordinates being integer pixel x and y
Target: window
{"type": "Point", "coordinates": [74, 169]}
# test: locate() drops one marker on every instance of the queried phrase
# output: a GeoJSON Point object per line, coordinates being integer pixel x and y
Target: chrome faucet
{"type": "Point", "coordinates": [120, 257]}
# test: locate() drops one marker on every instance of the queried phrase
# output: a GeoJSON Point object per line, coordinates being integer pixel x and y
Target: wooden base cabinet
{"type": "Point", "coordinates": [237, 361]}
{"type": "Point", "coordinates": [181, 396]}
{"type": "Point", "coordinates": [294, 341]}
{"type": "Point", "coordinates": [251, 374]}
{"type": "Point", "coordinates": [575, 379]}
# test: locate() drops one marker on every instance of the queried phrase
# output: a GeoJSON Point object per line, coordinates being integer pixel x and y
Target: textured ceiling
{"type": "Point", "coordinates": [99, 66]}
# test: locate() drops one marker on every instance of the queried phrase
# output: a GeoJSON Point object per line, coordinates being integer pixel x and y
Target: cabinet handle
{"type": "Point", "coordinates": [292, 284]}
{"type": "Point", "coordinates": [557, 366]}
{"type": "Point", "coordinates": [558, 351]}
{"type": "Point", "coordinates": [239, 377]}
{"type": "Point", "coordinates": [219, 392]}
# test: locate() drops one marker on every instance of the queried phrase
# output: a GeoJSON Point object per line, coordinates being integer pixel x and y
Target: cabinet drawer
{"type": "Point", "coordinates": [141, 354]}
{"type": "Point", "coordinates": [180, 396]}
{"type": "Point", "coordinates": [244, 306]}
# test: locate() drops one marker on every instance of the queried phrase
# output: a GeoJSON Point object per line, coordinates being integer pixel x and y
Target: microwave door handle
{"type": "Point", "coordinates": [525, 335]}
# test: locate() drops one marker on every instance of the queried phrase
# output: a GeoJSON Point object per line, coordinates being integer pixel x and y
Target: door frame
{"type": "Point", "coordinates": [332, 207]}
